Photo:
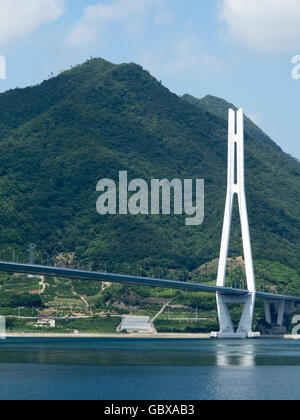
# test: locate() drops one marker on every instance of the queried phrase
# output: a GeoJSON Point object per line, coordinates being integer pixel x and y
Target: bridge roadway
{"type": "Point", "coordinates": [41, 270]}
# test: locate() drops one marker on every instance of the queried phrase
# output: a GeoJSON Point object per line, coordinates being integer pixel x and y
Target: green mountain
{"type": "Point", "coordinates": [59, 138]}
{"type": "Point", "coordinates": [219, 107]}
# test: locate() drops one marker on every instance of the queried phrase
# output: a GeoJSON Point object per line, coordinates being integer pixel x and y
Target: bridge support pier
{"type": "Point", "coordinates": [226, 326]}
{"type": "Point", "coordinates": [281, 308]}
{"type": "Point", "coordinates": [275, 310]}
{"type": "Point", "coordinates": [268, 315]}
{"type": "Point", "coordinates": [236, 188]}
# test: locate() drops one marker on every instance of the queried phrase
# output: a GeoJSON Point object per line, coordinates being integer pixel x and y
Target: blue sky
{"type": "Point", "coordinates": [240, 50]}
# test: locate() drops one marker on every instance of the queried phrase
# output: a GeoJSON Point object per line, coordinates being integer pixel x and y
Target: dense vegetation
{"type": "Point", "coordinates": [59, 138]}
{"type": "Point", "coordinates": [93, 325]}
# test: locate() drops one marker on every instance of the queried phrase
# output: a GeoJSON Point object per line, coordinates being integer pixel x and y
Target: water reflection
{"type": "Point", "coordinates": [143, 352]}
{"type": "Point", "coordinates": [142, 369]}
{"type": "Point", "coordinates": [229, 354]}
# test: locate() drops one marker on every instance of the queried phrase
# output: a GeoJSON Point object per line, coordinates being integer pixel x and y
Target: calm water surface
{"type": "Point", "coordinates": [142, 369]}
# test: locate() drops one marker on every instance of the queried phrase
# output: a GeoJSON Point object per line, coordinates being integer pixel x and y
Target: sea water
{"type": "Point", "coordinates": [148, 369]}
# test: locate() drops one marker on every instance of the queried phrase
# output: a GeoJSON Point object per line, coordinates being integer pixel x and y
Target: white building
{"type": "Point", "coordinates": [46, 323]}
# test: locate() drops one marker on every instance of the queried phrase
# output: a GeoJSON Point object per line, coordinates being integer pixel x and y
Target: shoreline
{"type": "Point", "coordinates": [112, 335]}
{"type": "Point", "coordinates": [135, 336]}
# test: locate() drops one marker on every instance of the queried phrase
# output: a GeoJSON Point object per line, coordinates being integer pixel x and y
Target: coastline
{"type": "Point", "coordinates": [135, 336]}
{"type": "Point", "coordinates": [122, 336]}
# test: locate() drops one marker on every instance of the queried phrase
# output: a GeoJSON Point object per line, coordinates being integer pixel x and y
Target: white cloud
{"type": "Point", "coordinates": [185, 58]}
{"type": "Point", "coordinates": [264, 26]}
{"type": "Point", "coordinates": [19, 18]}
{"type": "Point", "coordinates": [95, 17]}
{"type": "Point", "coordinates": [190, 64]}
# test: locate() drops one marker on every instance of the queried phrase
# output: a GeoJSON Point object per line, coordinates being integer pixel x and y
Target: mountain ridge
{"type": "Point", "coordinates": [59, 138]}
{"type": "Point", "coordinates": [219, 107]}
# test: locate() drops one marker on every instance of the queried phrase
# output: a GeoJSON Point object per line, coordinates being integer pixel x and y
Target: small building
{"type": "Point", "coordinates": [49, 323]}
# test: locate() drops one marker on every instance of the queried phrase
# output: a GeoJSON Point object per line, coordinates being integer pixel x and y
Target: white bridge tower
{"type": "Point", "coordinates": [236, 188]}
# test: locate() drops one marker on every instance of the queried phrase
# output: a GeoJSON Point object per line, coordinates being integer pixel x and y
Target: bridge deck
{"type": "Point", "coordinates": [41, 270]}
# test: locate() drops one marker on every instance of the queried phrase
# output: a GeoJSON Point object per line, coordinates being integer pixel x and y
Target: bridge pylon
{"type": "Point", "coordinates": [236, 188]}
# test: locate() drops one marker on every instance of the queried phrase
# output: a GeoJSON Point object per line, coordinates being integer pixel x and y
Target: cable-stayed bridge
{"type": "Point", "coordinates": [282, 303]}
{"type": "Point", "coordinates": [68, 273]}
{"type": "Point", "coordinates": [278, 303]}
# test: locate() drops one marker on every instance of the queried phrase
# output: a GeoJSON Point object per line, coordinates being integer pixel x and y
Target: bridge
{"type": "Point", "coordinates": [276, 305]}
{"type": "Point", "coordinates": [282, 303]}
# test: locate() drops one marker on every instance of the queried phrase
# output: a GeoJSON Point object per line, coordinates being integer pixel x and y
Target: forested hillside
{"type": "Point", "coordinates": [59, 138]}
